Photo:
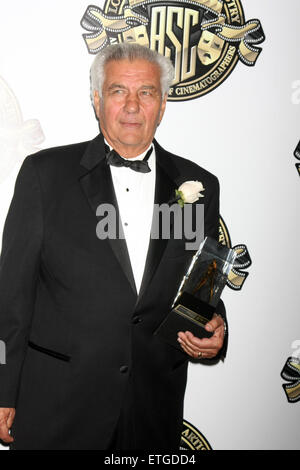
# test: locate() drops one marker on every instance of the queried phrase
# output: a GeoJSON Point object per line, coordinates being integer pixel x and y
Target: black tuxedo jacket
{"type": "Point", "coordinates": [74, 327]}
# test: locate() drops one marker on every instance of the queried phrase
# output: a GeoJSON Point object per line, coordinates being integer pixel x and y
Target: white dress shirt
{"type": "Point", "coordinates": [135, 195]}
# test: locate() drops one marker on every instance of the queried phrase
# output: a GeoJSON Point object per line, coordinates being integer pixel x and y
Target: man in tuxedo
{"type": "Point", "coordinates": [78, 310]}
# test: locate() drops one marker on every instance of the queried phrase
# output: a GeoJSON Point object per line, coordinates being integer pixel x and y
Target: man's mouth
{"type": "Point", "coordinates": [131, 125]}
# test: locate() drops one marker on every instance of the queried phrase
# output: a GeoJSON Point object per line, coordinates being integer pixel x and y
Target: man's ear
{"type": "Point", "coordinates": [163, 107]}
{"type": "Point", "coordinates": [96, 102]}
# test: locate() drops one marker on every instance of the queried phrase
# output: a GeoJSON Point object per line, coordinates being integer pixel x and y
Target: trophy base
{"type": "Point", "coordinates": [189, 314]}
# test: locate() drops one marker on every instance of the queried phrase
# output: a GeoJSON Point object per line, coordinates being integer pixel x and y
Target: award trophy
{"type": "Point", "coordinates": [199, 292]}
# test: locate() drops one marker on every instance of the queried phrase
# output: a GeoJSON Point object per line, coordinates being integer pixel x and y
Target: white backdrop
{"type": "Point", "coordinates": [245, 132]}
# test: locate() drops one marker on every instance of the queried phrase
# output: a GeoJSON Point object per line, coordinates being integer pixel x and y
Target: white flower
{"type": "Point", "coordinates": [189, 192]}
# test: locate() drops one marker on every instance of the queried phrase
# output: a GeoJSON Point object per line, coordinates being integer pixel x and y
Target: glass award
{"type": "Point", "coordinates": [199, 292]}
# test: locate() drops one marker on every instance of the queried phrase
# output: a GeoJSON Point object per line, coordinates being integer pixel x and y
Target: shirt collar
{"type": "Point", "coordinates": [138, 157]}
{"type": "Point", "coordinates": [141, 156]}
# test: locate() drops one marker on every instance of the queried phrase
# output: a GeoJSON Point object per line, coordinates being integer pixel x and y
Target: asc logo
{"type": "Point", "coordinates": [297, 155]}
{"type": "Point", "coordinates": [204, 38]}
{"type": "Point", "coordinates": [237, 275]}
{"type": "Point", "coordinates": [192, 438]}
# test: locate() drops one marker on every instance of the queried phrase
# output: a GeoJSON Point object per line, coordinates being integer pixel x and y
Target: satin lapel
{"type": "Point", "coordinates": [165, 186]}
{"type": "Point", "coordinates": [98, 187]}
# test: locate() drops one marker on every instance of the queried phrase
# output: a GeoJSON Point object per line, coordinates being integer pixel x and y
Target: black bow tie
{"type": "Point", "coordinates": [113, 158]}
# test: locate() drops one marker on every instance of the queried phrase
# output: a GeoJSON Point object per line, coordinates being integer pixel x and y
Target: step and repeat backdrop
{"type": "Point", "coordinates": [234, 108]}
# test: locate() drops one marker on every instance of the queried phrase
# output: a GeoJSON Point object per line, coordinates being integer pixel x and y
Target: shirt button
{"type": "Point", "coordinates": [136, 320]}
{"type": "Point", "coordinates": [123, 369]}
{"type": "Point", "coordinates": [127, 189]}
{"type": "Point", "coordinates": [126, 224]}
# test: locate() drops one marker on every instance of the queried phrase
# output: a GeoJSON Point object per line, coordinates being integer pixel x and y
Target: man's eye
{"type": "Point", "coordinates": [118, 91]}
{"type": "Point", "coordinates": [146, 93]}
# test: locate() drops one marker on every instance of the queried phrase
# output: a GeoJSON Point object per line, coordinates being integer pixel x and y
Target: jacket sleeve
{"type": "Point", "coordinates": [211, 224]}
{"type": "Point", "coordinates": [19, 264]}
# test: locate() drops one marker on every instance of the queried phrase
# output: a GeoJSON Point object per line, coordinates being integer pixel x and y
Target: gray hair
{"type": "Point", "coordinates": [129, 51]}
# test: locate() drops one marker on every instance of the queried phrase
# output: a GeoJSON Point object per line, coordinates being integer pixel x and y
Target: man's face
{"type": "Point", "coordinates": [131, 106]}
{"type": "Point", "coordinates": [209, 48]}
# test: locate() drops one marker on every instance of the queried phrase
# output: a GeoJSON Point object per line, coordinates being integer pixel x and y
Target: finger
{"type": "Point", "coordinates": [5, 424]}
{"type": "Point", "coordinates": [8, 439]}
{"type": "Point", "coordinates": [11, 418]}
{"type": "Point", "coordinates": [191, 352]}
{"type": "Point", "coordinates": [187, 340]}
{"type": "Point", "coordinates": [186, 347]}
{"type": "Point", "coordinates": [213, 343]}
{"type": "Point", "coordinates": [195, 354]}
{"type": "Point", "coordinates": [214, 323]}
{"type": "Point", "coordinates": [209, 347]}
{"type": "Point", "coordinates": [188, 350]}
{"type": "Point", "coordinates": [218, 334]}
{"type": "Point", "coordinates": [4, 434]}
{"type": "Point", "coordinates": [194, 351]}
{"type": "Point", "coordinates": [209, 353]}
{"type": "Point", "coordinates": [197, 344]}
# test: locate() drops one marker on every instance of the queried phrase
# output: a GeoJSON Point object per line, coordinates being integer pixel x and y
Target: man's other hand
{"type": "Point", "coordinates": [7, 416]}
{"type": "Point", "coordinates": [205, 348]}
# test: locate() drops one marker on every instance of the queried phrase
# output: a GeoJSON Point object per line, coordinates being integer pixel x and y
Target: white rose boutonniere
{"type": "Point", "coordinates": [189, 192]}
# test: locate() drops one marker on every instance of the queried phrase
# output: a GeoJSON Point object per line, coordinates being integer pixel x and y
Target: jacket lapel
{"type": "Point", "coordinates": [166, 175]}
{"type": "Point", "coordinates": [98, 187]}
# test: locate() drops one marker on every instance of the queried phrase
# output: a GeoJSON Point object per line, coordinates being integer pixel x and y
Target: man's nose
{"type": "Point", "coordinates": [132, 104]}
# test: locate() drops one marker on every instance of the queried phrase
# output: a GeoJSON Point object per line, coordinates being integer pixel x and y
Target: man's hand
{"type": "Point", "coordinates": [7, 416]}
{"type": "Point", "coordinates": [205, 348]}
